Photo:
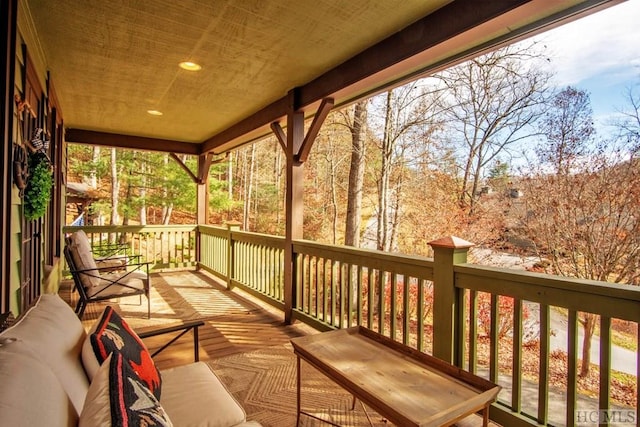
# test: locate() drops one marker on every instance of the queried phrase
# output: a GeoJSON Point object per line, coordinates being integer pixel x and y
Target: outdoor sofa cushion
{"type": "Point", "coordinates": [44, 382]}
{"type": "Point", "coordinates": [30, 393]}
{"type": "Point", "coordinates": [55, 335]}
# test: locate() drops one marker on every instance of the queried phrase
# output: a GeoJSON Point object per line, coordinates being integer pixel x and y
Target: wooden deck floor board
{"type": "Point", "coordinates": [234, 321]}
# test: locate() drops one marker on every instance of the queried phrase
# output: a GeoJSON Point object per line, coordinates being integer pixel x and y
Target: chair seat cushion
{"type": "Point", "coordinates": [131, 283]}
{"type": "Point", "coordinates": [208, 403]}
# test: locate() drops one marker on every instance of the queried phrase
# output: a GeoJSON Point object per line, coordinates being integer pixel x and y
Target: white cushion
{"type": "Point", "coordinates": [138, 280]}
{"type": "Point", "coordinates": [83, 260]}
{"type": "Point", "coordinates": [55, 335]}
{"type": "Point", "coordinates": [80, 239]}
{"type": "Point", "coordinates": [192, 395]}
{"type": "Point", "coordinates": [30, 393]}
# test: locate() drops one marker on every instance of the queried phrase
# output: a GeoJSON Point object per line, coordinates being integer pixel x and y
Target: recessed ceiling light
{"type": "Point", "coordinates": [190, 66]}
{"type": "Point", "coordinates": [154, 112]}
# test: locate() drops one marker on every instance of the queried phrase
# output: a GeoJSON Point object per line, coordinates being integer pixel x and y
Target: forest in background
{"type": "Point", "coordinates": [488, 150]}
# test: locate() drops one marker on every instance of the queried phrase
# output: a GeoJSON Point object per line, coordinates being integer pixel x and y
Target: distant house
{"type": "Point", "coordinates": [79, 199]}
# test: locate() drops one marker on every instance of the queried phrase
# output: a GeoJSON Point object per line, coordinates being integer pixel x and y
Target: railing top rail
{"type": "Point", "coordinates": [595, 287]}
{"type": "Point", "coordinates": [244, 235]}
{"type": "Point", "coordinates": [609, 299]}
{"type": "Point", "coordinates": [372, 256]}
{"type": "Point", "coordinates": [129, 228]}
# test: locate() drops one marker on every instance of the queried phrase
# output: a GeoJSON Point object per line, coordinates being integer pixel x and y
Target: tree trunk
{"type": "Point", "coordinates": [249, 171]}
{"type": "Point", "coordinates": [93, 177]}
{"type": "Point", "coordinates": [589, 324]}
{"type": "Point", "coordinates": [166, 213]}
{"type": "Point", "coordinates": [356, 176]}
{"type": "Point", "coordinates": [143, 194]}
{"type": "Point", "coordinates": [334, 200]}
{"type": "Point", "coordinates": [277, 173]}
{"type": "Point", "coordinates": [383, 186]}
{"type": "Point", "coordinates": [230, 177]}
{"type": "Point", "coordinates": [115, 189]}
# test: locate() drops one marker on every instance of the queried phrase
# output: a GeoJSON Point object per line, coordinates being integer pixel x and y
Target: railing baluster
{"type": "Point", "coordinates": [493, 340]}
{"type": "Point", "coordinates": [325, 299]}
{"type": "Point", "coordinates": [572, 365]}
{"type": "Point", "coordinates": [342, 286]}
{"type": "Point", "coordinates": [350, 294]}
{"type": "Point", "coordinates": [359, 294]}
{"type": "Point", "coordinates": [317, 287]}
{"type": "Point", "coordinates": [473, 331]}
{"type": "Point", "coordinates": [406, 324]}
{"type": "Point", "coordinates": [543, 372]}
{"type": "Point", "coordinates": [605, 365]}
{"type": "Point", "coordinates": [332, 294]}
{"type": "Point", "coordinates": [393, 309]}
{"type": "Point", "coordinates": [309, 267]}
{"type": "Point", "coordinates": [516, 361]}
{"type": "Point", "coordinates": [420, 314]}
{"type": "Point", "coordinates": [381, 305]}
{"type": "Point", "coordinates": [370, 288]}
{"type": "Point", "coordinates": [638, 374]}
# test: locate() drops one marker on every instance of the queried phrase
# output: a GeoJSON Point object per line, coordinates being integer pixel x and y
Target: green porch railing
{"type": "Point", "coordinates": [165, 247]}
{"type": "Point", "coordinates": [478, 317]}
{"type": "Point", "coordinates": [251, 261]}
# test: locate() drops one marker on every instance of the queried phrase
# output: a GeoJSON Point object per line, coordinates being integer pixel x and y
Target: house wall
{"type": "Point", "coordinates": [26, 36]}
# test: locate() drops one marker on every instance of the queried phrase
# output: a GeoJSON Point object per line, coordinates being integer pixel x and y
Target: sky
{"type": "Point", "coordinates": [600, 54]}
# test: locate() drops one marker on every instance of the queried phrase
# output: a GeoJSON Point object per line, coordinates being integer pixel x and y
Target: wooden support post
{"type": "Point", "coordinates": [448, 251]}
{"type": "Point", "coordinates": [294, 207]}
{"type": "Point", "coordinates": [8, 30]}
{"type": "Point", "coordinates": [231, 258]}
{"type": "Point", "coordinates": [202, 204]}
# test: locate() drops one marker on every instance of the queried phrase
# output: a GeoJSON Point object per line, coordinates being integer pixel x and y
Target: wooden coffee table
{"type": "Point", "coordinates": [408, 387]}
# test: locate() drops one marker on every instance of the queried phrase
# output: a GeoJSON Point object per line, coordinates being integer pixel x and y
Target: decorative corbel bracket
{"type": "Point", "coordinates": [305, 148]}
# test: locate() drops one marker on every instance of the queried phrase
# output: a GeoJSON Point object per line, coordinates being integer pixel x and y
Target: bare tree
{"type": "Point", "coordinates": [491, 102]}
{"type": "Point", "coordinates": [356, 175]}
{"type": "Point", "coordinates": [568, 126]}
{"type": "Point", "coordinates": [583, 216]}
{"type": "Point", "coordinates": [410, 114]}
{"type": "Point", "coordinates": [629, 126]}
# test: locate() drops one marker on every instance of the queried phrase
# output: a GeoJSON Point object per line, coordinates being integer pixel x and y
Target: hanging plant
{"type": "Point", "coordinates": [39, 184]}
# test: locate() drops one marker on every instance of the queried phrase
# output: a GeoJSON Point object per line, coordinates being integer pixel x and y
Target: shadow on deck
{"type": "Point", "coordinates": [235, 322]}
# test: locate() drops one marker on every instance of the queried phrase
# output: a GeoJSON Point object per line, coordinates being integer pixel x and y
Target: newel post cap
{"type": "Point", "coordinates": [451, 242]}
{"type": "Point", "coordinates": [233, 224]}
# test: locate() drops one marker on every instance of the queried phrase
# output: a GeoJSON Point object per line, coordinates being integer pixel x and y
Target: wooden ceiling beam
{"type": "Point", "coordinates": [82, 136]}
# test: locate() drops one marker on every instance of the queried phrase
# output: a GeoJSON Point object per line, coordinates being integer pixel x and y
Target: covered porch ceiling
{"type": "Point", "coordinates": [111, 62]}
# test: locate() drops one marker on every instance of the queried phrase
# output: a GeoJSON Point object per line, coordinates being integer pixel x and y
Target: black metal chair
{"type": "Point", "coordinates": [95, 283]}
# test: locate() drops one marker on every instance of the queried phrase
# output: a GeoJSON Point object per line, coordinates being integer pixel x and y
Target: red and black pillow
{"type": "Point", "coordinates": [118, 398]}
{"type": "Point", "coordinates": [113, 335]}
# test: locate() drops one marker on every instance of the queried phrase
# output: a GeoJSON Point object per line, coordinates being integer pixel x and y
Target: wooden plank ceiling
{"type": "Point", "coordinates": [111, 62]}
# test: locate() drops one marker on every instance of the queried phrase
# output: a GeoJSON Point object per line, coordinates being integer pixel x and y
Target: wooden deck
{"type": "Point", "coordinates": [235, 322]}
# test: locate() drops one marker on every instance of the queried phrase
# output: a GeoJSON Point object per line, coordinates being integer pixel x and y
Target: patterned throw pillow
{"type": "Point", "coordinates": [117, 397]}
{"type": "Point", "coordinates": [113, 334]}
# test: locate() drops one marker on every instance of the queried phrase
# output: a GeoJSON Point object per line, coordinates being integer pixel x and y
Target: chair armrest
{"type": "Point", "coordinates": [182, 328]}
{"type": "Point", "coordinates": [134, 264]}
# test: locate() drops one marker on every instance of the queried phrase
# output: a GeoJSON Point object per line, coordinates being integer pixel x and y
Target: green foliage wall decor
{"type": "Point", "coordinates": [39, 184]}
